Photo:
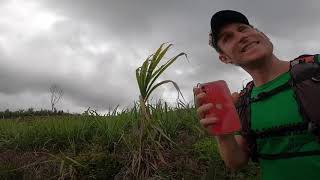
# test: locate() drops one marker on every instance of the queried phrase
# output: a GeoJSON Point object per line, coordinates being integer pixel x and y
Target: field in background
{"type": "Point", "coordinates": [89, 146]}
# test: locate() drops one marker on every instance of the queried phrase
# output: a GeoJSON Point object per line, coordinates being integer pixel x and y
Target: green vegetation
{"type": "Point", "coordinates": [25, 114]}
{"type": "Point", "coordinates": [101, 147]}
{"type": "Point", "coordinates": [148, 141]}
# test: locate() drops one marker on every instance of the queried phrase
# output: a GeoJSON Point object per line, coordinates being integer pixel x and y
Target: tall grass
{"type": "Point", "coordinates": [147, 155]}
{"type": "Point", "coordinates": [53, 133]}
{"type": "Point", "coordinates": [93, 147]}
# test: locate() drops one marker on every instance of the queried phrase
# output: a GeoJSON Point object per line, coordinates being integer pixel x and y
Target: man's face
{"type": "Point", "coordinates": [242, 45]}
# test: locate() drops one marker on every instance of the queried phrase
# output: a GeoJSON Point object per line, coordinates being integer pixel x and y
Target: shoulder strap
{"type": "Point", "coordinates": [305, 73]}
{"type": "Point", "coordinates": [244, 101]}
{"type": "Point", "coordinates": [244, 111]}
{"type": "Point", "coordinates": [304, 67]}
{"type": "Point", "coordinates": [310, 65]}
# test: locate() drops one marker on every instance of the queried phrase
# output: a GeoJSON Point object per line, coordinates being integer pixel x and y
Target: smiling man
{"type": "Point", "coordinates": [279, 119]}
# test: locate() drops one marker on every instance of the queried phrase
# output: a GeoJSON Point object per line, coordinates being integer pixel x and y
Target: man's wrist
{"type": "Point", "coordinates": [225, 137]}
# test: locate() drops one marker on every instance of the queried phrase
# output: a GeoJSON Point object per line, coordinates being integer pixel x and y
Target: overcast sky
{"type": "Point", "coordinates": [91, 48]}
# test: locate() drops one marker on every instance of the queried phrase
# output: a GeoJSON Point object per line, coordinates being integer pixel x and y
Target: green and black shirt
{"type": "Point", "coordinates": [282, 109]}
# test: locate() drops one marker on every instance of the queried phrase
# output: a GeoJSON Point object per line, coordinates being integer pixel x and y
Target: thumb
{"type": "Point", "coordinates": [235, 97]}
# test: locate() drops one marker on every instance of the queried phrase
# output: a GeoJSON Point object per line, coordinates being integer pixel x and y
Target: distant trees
{"type": "Point", "coordinates": [7, 114]}
{"type": "Point", "coordinates": [56, 94]}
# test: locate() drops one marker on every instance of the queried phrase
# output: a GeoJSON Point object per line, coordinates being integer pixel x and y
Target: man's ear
{"type": "Point", "coordinates": [225, 59]}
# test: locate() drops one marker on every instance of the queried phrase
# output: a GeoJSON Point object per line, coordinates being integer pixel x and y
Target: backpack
{"type": "Point", "coordinates": [305, 82]}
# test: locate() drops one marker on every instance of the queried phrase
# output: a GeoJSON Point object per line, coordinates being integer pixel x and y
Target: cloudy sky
{"type": "Point", "coordinates": [91, 48]}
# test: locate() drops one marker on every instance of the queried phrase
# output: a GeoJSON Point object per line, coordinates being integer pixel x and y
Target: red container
{"type": "Point", "coordinates": [224, 109]}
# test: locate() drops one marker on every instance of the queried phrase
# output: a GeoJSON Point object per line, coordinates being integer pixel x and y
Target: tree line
{"type": "Point", "coordinates": [7, 114]}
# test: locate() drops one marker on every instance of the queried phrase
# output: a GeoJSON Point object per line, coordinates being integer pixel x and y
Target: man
{"type": "Point", "coordinates": [293, 154]}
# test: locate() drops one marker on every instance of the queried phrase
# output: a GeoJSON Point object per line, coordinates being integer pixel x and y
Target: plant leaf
{"type": "Point", "coordinates": [156, 59]}
{"type": "Point", "coordinates": [143, 73]}
{"type": "Point", "coordinates": [164, 82]}
{"type": "Point", "coordinates": [138, 71]}
{"type": "Point", "coordinates": [74, 161]}
{"type": "Point", "coordinates": [162, 69]}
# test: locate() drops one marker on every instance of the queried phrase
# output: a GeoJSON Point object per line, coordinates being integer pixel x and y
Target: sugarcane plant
{"type": "Point", "coordinates": [149, 72]}
{"type": "Point", "coordinates": [147, 76]}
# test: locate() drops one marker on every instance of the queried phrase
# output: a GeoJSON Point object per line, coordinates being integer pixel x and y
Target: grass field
{"type": "Point", "coordinates": [107, 147]}
{"type": "Point", "coordinates": [145, 142]}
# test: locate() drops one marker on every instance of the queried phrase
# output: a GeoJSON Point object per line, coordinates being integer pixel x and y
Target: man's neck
{"type": "Point", "coordinates": [267, 70]}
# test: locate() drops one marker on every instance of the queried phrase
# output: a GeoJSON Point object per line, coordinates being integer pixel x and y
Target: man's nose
{"type": "Point", "coordinates": [242, 37]}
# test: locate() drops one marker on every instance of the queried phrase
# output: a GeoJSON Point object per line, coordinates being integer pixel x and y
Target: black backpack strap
{"type": "Point", "coordinates": [244, 111]}
{"type": "Point", "coordinates": [282, 130]}
{"type": "Point", "coordinates": [305, 67]}
{"type": "Point", "coordinates": [311, 75]}
{"type": "Point", "coordinates": [267, 94]}
{"type": "Point", "coordinates": [289, 155]}
{"type": "Point", "coordinates": [305, 73]}
{"type": "Point", "coordinates": [306, 58]}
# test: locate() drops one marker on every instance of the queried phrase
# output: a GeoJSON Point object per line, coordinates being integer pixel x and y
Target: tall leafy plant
{"type": "Point", "coordinates": [149, 72]}
{"type": "Point", "coordinates": [150, 134]}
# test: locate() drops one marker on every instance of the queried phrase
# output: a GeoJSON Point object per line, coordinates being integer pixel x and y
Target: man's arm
{"type": "Point", "coordinates": [233, 150]}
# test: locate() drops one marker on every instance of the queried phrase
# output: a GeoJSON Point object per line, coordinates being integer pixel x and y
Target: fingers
{"type": "Point", "coordinates": [199, 97]}
{"type": "Point", "coordinates": [210, 121]}
{"type": "Point", "coordinates": [206, 120]}
{"type": "Point", "coordinates": [203, 110]}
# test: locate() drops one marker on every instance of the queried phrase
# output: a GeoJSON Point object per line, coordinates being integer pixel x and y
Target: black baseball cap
{"type": "Point", "coordinates": [222, 18]}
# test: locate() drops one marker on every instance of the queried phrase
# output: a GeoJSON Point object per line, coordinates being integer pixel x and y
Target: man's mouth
{"type": "Point", "coordinates": [249, 45]}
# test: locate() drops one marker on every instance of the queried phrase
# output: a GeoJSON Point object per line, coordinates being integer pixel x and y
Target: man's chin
{"type": "Point", "coordinates": [254, 56]}
{"type": "Point", "coordinates": [251, 62]}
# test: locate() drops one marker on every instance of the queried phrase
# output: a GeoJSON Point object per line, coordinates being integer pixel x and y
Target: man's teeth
{"type": "Point", "coordinates": [249, 46]}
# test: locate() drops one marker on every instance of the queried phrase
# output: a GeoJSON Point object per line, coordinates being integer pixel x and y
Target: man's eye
{"type": "Point", "coordinates": [226, 38]}
{"type": "Point", "coordinates": [242, 28]}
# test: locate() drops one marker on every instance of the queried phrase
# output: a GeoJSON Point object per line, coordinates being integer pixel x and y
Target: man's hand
{"type": "Point", "coordinates": [203, 108]}
{"type": "Point", "coordinates": [232, 148]}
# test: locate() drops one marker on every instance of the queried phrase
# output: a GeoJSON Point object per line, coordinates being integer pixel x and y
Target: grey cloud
{"type": "Point", "coordinates": [132, 30]}
{"type": "Point", "coordinates": [42, 69]}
